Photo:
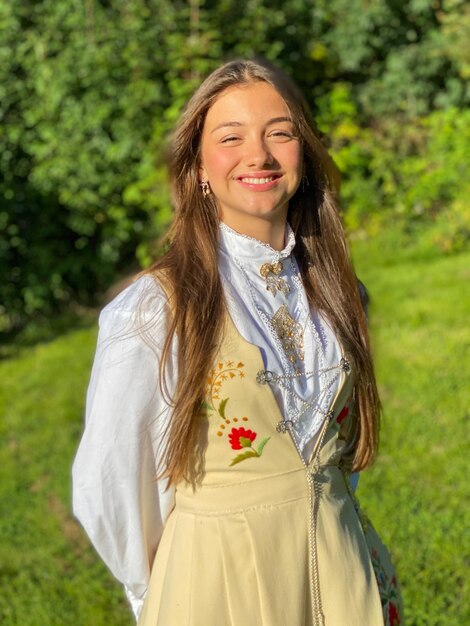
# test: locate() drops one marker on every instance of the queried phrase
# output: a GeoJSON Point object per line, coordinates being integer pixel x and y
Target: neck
{"type": "Point", "coordinates": [272, 233]}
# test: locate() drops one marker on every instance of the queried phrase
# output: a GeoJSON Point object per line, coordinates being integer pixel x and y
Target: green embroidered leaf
{"type": "Point", "coordinates": [262, 444]}
{"type": "Point", "coordinates": [221, 408]}
{"type": "Point", "coordinates": [244, 455]}
{"type": "Point", "coordinates": [206, 407]}
{"type": "Point", "coordinates": [245, 442]}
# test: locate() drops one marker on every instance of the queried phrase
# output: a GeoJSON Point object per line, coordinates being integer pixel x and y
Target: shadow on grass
{"type": "Point", "coordinates": [44, 329]}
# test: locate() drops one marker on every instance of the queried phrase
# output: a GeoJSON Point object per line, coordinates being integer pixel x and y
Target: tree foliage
{"type": "Point", "coordinates": [89, 91]}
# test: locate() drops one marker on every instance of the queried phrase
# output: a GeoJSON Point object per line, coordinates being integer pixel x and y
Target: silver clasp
{"type": "Point", "coordinates": [283, 426]}
{"type": "Point", "coordinates": [330, 416]}
{"type": "Point", "coordinates": [264, 376]}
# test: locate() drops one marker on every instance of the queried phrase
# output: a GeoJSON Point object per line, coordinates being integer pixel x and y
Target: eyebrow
{"type": "Point", "coordinates": [274, 120]}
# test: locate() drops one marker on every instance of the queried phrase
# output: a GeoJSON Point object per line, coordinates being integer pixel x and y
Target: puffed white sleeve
{"type": "Point", "coordinates": [116, 497]}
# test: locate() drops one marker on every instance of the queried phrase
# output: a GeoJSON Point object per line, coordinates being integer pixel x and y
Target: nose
{"type": "Point", "coordinates": [258, 153]}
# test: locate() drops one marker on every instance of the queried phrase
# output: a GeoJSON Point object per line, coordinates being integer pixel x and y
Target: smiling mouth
{"type": "Point", "coordinates": [259, 181]}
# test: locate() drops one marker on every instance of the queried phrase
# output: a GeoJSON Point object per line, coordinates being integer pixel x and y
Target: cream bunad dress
{"type": "Point", "coordinates": [272, 534]}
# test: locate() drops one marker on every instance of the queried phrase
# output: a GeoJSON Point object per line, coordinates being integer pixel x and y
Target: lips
{"type": "Point", "coordinates": [258, 181]}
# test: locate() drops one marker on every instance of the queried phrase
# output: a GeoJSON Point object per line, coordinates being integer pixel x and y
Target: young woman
{"type": "Point", "coordinates": [233, 391]}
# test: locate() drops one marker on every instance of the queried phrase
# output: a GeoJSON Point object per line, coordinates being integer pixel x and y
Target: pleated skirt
{"type": "Point", "coordinates": [247, 555]}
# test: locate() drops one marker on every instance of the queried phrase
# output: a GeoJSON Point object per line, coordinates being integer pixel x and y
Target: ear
{"type": "Point", "coordinates": [202, 174]}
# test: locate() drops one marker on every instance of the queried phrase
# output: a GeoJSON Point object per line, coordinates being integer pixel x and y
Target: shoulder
{"type": "Point", "coordinates": [141, 306]}
{"type": "Point", "coordinates": [145, 291]}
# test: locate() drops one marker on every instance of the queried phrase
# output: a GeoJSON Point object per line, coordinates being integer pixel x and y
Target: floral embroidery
{"type": "Point", "coordinates": [393, 616]}
{"type": "Point", "coordinates": [239, 438]}
{"type": "Point", "coordinates": [342, 418]}
{"type": "Point", "coordinates": [219, 375]}
{"type": "Point", "coordinates": [343, 415]}
{"type": "Point", "coordinates": [388, 589]}
{"type": "Point", "coordinates": [242, 438]}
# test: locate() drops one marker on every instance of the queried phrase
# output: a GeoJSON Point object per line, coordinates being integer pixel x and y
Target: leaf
{"type": "Point", "coordinates": [222, 406]}
{"type": "Point", "coordinates": [262, 444]}
{"type": "Point", "coordinates": [206, 407]}
{"type": "Point", "coordinates": [244, 455]}
{"type": "Point", "coordinates": [245, 442]}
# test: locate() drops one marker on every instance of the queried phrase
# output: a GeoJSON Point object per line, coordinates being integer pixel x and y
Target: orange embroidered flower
{"type": "Point", "coordinates": [218, 376]}
{"type": "Point", "coordinates": [241, 438]}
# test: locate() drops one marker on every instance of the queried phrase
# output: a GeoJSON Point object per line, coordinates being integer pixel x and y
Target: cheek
{"type": "Point", "coordinates": [290, 158]}
{"type": "Point", "coordinates": [296, 160]}
{"type": "Point", "coordinates": [218, 162]}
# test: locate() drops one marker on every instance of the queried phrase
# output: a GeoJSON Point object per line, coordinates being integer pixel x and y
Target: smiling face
{"type": "Point", "coordinates": [251, 157]}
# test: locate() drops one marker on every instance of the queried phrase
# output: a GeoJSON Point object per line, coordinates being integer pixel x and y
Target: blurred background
{"type": "Point", "coordinates": [88, 92]}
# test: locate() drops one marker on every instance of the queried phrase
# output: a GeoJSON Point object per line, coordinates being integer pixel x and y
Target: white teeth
{"type": "Point", "coordinates": [257, 181]}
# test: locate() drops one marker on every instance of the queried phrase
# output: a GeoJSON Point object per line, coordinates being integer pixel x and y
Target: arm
{"type": "Point", "coordinates": [115, 495]}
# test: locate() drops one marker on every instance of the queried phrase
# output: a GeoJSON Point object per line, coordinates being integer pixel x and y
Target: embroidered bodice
{"type": "Point", "coordinates": [268, 304]}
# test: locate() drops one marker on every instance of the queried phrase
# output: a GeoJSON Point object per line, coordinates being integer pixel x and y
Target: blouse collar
{"type": "Point", "coordinates": [252, 251]}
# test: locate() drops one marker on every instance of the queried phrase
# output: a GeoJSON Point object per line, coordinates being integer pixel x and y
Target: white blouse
{"type": "Point", "coordinates": [115, 496]}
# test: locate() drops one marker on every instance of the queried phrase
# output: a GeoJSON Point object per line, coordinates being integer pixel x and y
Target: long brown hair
{"type": "Point", "coordinates": [189, 269]}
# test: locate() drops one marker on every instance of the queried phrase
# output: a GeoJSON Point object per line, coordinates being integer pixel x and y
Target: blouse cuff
{"type": "Point", "coordinates": [135, 602]}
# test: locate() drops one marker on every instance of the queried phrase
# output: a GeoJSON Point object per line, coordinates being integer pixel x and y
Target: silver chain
{"type": "Point", "coordinates": [286, 380]}
{"type": "Point", "coordinates": [264, 377]}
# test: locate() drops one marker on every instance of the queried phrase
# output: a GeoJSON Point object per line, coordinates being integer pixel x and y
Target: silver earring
{"type": "Point", "coordinates": [204, 185]}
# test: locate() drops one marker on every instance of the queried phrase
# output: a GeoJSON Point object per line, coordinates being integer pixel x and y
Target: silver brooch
{"type": "Point", "coordinates": [290, 334]}
{"type": "Point", "coordinates": [274, 283]}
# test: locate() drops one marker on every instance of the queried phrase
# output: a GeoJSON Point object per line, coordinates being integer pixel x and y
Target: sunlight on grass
{"type": "Point", "coordinates": [414, 494]}
{"type": "Point", "coordinates": [49, 575]}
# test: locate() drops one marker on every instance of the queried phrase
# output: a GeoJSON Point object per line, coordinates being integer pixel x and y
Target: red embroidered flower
{"type": "Point", "coordinates": [393, 617]}
{"type": "Point", "coordinates": [241, 438]}
{"type": "Point", "coordinates": [344, 413]}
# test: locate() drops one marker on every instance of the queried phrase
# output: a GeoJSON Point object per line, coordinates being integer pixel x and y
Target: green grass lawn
{"type": "Point", "coordinates": [415, 493]}
{"type": "Point", "coordinates": [418, 491]}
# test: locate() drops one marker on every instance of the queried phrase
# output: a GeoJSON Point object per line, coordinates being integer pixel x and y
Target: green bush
{"type": "Point", "coordinates": [89, 91]}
